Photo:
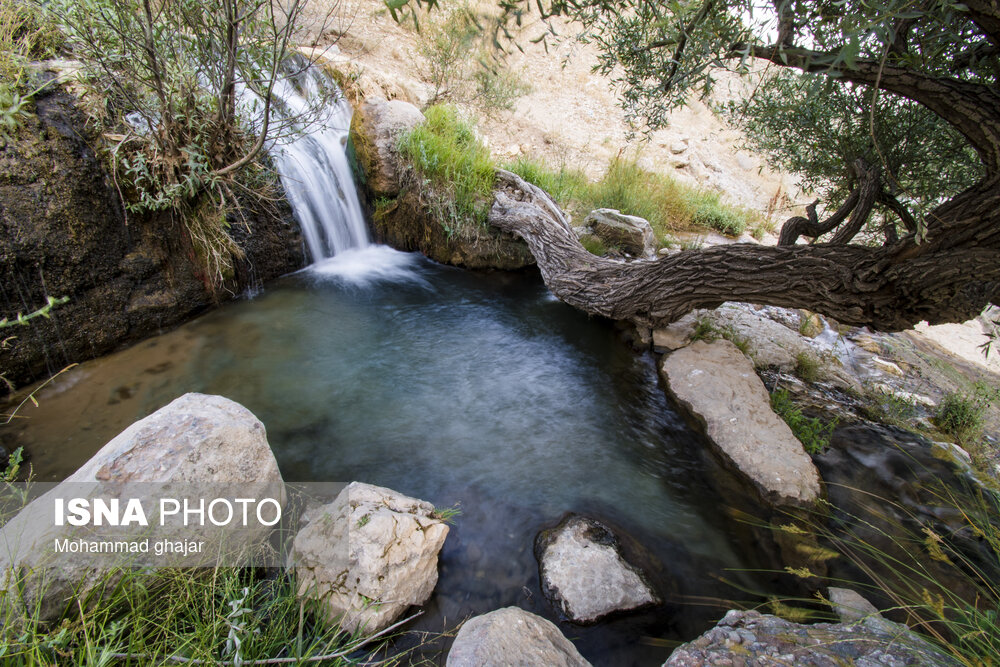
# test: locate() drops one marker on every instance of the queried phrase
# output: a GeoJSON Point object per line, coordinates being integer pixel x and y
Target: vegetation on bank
{"type": "Point", "coordinates": [446, 151]}
{"type": "Point", "coordinates": [220, 616]}
{"type": "Point", "coordinates": [813, 433]}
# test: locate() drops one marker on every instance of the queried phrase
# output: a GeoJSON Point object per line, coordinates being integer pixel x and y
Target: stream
{"type": "Point", "coordinates": [460, 388]}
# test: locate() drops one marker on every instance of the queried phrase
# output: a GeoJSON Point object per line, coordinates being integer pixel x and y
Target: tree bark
{"type": "Point", "coordinates": [948, 278]}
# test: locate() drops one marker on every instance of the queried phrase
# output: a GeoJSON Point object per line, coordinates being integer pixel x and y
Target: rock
{"type": "Point", "coordinates": [718, 386]}
{"type": "Point", "coordinates": [512, 636]}
{"type": "Point", "coordinates": [850, 607]}
{"type": "Point", "coordinates": [751, 638]}
{"type": "Point", "coordinates": [775, 341]}
{"type": "Point", "coordinates": [375, 131]}
{"type": "Point", "coordinates": [369, 555]}
{"type": "Point", "coordinates": [810, 324]}
{"type": "Point", "coordinates": [64, 235]}
{"type": "Point", "coordinates": [199, 445]}
{"type": "Point", "coordinates": [887, 366]}
{"type": "Point", "coordinates": [675, 335]}
{"type": "Point", "coordinates": [678, 147]}
{"type": "Point", "coordinates": [680, 162]}
{"type": "Point", "coordinates": [583, 573]}
{"type": "Point", "coordinates": [629, 233]}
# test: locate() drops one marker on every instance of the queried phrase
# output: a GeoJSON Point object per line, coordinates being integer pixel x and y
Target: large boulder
{"type": "Point", "coordinates": [629, 233]}
{"type": "Point", "coordinates": [376, 129]}
{"type": "Point", "coordinates": [583, 573]}
{"type": "Point", "coordinates": [198, 445]}
{"type": "Point", "coordinates": [512, 636]}
{"type": "Point", "coordinates": [717, 385]}
{"type": "Point", "coordinates": [751, 638]}
{"type": "Point", "coordinates": [369, 555]}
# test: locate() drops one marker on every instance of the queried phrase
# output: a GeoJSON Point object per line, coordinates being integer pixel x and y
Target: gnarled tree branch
{"type": "Point", "coordinates": [880, 287]}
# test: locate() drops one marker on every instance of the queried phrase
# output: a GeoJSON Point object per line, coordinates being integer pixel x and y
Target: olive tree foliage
{"type": "Point", "coordinates": [940, 54]}
{"type": "Point", "coordinates": [820, 129]}
{"type": "Point", "coordinates": [187, 92]}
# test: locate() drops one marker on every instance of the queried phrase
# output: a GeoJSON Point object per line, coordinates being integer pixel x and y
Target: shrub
{"type": "Point", "coordinates": [462, 68]}
{"type": "Point", "coordinates": [811, 432]}
{"type": "Point", "coordinates": [169, 75]}
{"type": "Point", "coordinates": [961, 415]}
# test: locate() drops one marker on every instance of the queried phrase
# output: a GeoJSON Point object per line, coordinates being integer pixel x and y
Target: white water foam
{"type": "Point", "coordinates": [373, 263]}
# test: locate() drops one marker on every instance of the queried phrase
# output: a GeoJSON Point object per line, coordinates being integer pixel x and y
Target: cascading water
{"type": "Point", "coordinates": [313, 167]}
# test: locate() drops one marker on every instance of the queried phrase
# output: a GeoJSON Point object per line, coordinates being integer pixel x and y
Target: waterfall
{"type": "Point", "coordinates": [312, 163]}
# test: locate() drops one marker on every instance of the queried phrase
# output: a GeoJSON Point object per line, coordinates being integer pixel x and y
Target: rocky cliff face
{"type": "Point", "coordinates": [64, 235]}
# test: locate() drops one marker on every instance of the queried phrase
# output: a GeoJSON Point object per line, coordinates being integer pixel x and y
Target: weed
{"type": "Point", "coordinates": [961, 415]}
{"type": "Point", "coordinates": [215, 616]}
{"type": "Point", "coordinates": [806, 366]}
{"type": "Point", "coordinates": [462, 68]}
{"type": "Point", "coordinates": [446, 514]}
{"type": "Point", "coordinates": [704, 329]}
{"type": "Point", "coordinates": [811, 432]}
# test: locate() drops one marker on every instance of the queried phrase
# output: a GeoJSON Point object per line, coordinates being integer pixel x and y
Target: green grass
{"type": "Point", "coordinates": [667, 204]}
{"type": "Point", "coordinates": [593, 244]}
{"type": "Point", "coordinates": [194, 614]}
{"type": "Point", "coordinates": [811, 432]}
{"type": "Point", "coordinates": [446, 151]}
{"type": "Point", "coordinates": [707, 330]}
{"type": "Point", "coordinates": [806, 366]}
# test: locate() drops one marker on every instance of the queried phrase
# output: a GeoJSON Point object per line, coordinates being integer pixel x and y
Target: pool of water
{"type": "Point", "coordinates": [476, 390]}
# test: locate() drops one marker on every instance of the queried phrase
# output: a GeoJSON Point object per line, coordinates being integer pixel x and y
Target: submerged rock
{"type": "Point", "coordinates": [369, 555]}
{"type": "Point", "coordinates": [207, 446]}
{"type": "Point", "coordinates": [512, 636]}
{"type": "Point", "coordinates": [751, 638]}
{"type": "Point", "coordinates": [584, 575]}
{"type": "Point", "coordinates": [629, 233]}
{"type": "Point", "coordinates": [718, 386]}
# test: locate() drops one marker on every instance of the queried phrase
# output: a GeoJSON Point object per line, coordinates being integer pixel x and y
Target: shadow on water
{"type": "Point", "coordinates": [460, 388]}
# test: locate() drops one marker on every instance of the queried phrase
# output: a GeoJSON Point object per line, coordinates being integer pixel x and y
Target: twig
{"type": "Point", "coordinates": [270, 661]}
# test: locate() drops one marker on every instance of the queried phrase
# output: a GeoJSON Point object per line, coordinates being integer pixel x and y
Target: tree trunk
{"type": "Point", "coordinates": [950, 277]}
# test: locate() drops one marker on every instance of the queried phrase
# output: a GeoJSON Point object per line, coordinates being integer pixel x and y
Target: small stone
{"type": "Point", "coordinates": [678, 147]}
{"type": "Point", "coordinates": [584, 574]}
{"type": "Point", "coordinates": [887, 366]}
{"type": "Point", "coordinates": [630, 233]}
{"type": "Point", "coordinates": [849, 606]}
{"type": "Point", "coordinates": [512, 636]}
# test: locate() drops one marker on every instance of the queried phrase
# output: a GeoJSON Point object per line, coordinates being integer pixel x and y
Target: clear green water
{"type": "Point", "coordinates": [455, 387]}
